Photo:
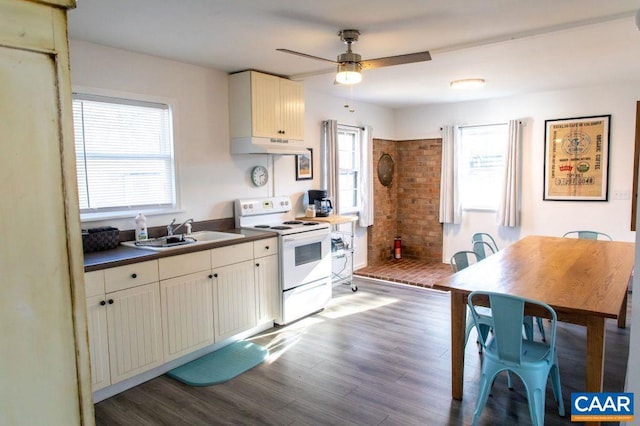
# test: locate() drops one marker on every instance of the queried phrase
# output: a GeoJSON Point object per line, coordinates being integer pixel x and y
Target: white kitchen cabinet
{"type": "Point", "coordinates": [266, 278]}
{"type": "Point", "coordinates": [234, 291]}
{"type": "Point", "coordinates": [135, 331]}
{"type": "Point", "coordinates": [186, 296]}
{"type": "Point", "coordinates": [267, 106]}
{"type": "Point", "coordinates": [97, 329]}
{"type": "Point", "coordinates": [123, 321]}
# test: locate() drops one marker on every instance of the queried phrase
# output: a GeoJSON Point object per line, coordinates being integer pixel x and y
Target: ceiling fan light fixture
{"type": "Point", "coordinates": [467, 83]}
{"type": "Point", "coordinates": [349, 73]}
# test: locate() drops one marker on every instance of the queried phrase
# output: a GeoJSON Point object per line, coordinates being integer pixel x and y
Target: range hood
{"type": "Point", "coordinates": [252, 145]}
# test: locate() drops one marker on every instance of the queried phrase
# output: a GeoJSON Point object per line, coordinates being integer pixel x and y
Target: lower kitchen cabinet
{"type": "Point", "coordinates": [187, 313]}
{"type": "Point", "coordinates": [124, 327]}
{"type": "Point", "coordinates": [97, 329]}
{"type": "Point", "coordinates": [145, 314]}
{"type": "Point", "coordinates": [234, 299]}
{"type": "Point", "coordinates": [134, 330]}
{"type": "Point", "coordinates": [266, 278]}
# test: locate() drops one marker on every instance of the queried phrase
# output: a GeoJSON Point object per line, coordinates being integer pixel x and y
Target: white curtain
{"type": "Point", "coordinates": [450, 208]}
{"type": "Point", "coordinates": [509, 210]}
{"type": "Point", "coordinates": [329, 161]}
{"type": "Point", "coordinates": [366, 178]}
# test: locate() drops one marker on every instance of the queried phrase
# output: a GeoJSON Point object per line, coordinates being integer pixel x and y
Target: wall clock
{"type": "Point", "coordinates": [259, 175]}
{"type": "Point", "coordinates": [385, 169]}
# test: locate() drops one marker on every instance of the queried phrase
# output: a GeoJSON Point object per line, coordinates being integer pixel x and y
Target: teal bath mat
{"type": "Point", "coordinates": [221, 365]}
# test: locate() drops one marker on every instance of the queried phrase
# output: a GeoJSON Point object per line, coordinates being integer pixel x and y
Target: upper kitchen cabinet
{"type": "Point", "coordinates": [266, 114]}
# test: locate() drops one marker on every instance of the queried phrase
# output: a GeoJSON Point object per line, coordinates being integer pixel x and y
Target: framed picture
{"type": "Point", "coordinates": [576, 159]}
{"type": "Point", "coordinates": [304, 166]}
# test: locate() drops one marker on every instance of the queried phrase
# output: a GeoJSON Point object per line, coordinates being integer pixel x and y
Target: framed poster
{"type": "Point", "coordinates": [304, 166]}
{"type": "Point", "coordinates": [576, 159]}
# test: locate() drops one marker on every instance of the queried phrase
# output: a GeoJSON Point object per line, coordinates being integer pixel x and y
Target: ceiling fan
{"type": "Point", "coordinates": [350, 64]}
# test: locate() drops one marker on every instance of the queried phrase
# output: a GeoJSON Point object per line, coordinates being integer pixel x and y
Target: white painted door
{"type": "Point", "coordinates": [292, 109]}
{"type": "Point", "coordinates": [98, 341]}
{"type": "Point", "coordinates": [38, 357]}
{"type": "Point", "coordinates": [265, 105]}
{"type": "Point", "coordinates": [268, 288]}
{"type": "Point", "coordinates": [234, 299]}
{"type": "Point", "coordinates": [135, 331]}
{"type": "Point", "coordinates": [187, 312]}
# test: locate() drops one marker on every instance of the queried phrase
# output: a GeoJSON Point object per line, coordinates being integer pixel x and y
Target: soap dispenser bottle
{"type": "Point", "coordinates": [141, 228]}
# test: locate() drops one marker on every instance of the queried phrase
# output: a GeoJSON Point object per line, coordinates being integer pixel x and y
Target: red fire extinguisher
{"type": "Point", "coordinates": [397, 248]}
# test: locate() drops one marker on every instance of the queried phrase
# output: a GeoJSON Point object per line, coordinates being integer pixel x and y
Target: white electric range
{"type": "Point", "coordinates": [304, 254]}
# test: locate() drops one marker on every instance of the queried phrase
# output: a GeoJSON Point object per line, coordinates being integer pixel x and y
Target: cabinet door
{"type": "Point", "coordinates": [265, 101]}
{"type": "Point", "coordinates": [267, 288]}
{"type": "Point", "coordinates": [187, 313]}
{"type": "Point", "coordinates": [134, 328]}
{"type": "Point", "coordinates": [98, 342]}
{"type": "Point", "coordinates": [292, 109]}
{"type": "Point", "coordinates": [234, 299]}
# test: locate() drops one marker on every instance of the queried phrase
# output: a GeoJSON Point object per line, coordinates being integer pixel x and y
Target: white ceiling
{"type": "Point", "coordinates": [517, 46]}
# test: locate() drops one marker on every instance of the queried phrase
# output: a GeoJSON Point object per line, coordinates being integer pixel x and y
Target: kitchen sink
{"type": "Point", "coordinates": [208, 236]}
{"type": "Point", "coordinates": [175, 242]}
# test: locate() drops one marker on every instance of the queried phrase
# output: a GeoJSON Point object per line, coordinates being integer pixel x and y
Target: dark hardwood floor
{"type": "Point", "coordinates": [380, 356]}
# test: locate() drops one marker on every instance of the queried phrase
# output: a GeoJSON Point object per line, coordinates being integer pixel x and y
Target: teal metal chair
{"type": "Point", "coordinates": [463, 259]}
{"type": "Point", "coordinates": [487, 238]}
{"type": "Point", "coordinates": [483, 249]}
{"type": "Point", "coordinates": [506, 350]}
{"type": "Point", "coordinates": [459, 261]}
{"type": "Point", "coordinates": [588, 235]}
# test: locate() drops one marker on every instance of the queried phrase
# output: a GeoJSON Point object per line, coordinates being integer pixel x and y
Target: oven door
{"type": "Point", "coordinates": [306, 257]}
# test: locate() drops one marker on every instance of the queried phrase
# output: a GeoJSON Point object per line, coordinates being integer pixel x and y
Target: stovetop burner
{"type": "Point", "coordinates": [263, 226]}
{"type": "Point", "coordinates": [292, 222]}
{"type": "Point", "coordinates": [280, 227]}
{"type": "Point", "coordinates": [309, 223]}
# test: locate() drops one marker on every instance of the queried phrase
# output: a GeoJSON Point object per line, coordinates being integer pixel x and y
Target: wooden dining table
{"type": "Point", "coordinates": [584, 281]}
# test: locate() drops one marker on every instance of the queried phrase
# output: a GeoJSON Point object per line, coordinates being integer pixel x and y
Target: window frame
{"type": "Point", "coordinates": [355, 170]}
{"type": "Point", "coordinates": [126, 98]}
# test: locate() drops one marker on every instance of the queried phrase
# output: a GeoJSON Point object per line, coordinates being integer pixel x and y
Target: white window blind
{"type": "Point", "coordinates": [482, 159]}
{"type": "Point", "coordinates": [348, 168]}
{"type": "Point", "coordinates": [124, 154]}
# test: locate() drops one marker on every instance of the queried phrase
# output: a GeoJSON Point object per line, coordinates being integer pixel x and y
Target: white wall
{"type": "Point", "coordinates": [209, 177]}
{"type": "Point", "coordinates": [541, 217]}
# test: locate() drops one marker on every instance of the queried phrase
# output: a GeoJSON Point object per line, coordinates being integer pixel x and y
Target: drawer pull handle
{"type": "Point", "coordinates": [110, 301]}
{"type": "Point", "coordinates": [102, 303]}
{"type": "Point", "coordinates": [266, 247]}
{"type": "Point", "coordinates": [258, 265]}
{"type": "Point", "coordinates": [215, 275]}
{"type": "Point", "coordinates": [210, 275]}
{"type": "Point", "coordinates": [134, 275]}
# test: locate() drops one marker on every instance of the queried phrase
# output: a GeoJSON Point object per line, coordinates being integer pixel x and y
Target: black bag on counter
{"type": "Point", "coordinates": [102, 238]}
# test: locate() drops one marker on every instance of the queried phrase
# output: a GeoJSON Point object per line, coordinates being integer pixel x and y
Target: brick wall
{"type": "Point", "coordinates": [409, 206]}
{"type": "Point", "coordinates": [380, 236]}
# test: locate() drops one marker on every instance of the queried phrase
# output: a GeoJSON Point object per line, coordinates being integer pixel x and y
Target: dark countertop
{"type": "Point", "coordinates": [123, 255]}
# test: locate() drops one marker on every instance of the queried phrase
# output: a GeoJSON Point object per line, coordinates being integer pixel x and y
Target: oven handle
{"type": "Point", "coordinates": [306, 236]}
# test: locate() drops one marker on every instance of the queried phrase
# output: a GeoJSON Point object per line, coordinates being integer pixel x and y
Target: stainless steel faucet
{"type": "Point", "coordinates": [171, 229]}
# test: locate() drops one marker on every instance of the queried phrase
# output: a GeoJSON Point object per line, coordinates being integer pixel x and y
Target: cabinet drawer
{"type": "Point", "coordinates": [94, 283]}
{"type": "Point", "coordinates": [123, 277]}
{"type": "Point", "coordinates": [231, 254]}
{"type": "Point", "coordinates": [184, 264]}
{"type": "Point", "coordinates": [265, 247]}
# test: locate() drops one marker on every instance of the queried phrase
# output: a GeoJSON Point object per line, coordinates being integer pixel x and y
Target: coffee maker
{"type": "Point", "coordinates": [318, 198]}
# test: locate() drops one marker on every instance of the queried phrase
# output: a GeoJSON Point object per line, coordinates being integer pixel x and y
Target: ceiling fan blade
{"type": "Point", "coordinates": [304, 55]}
{"type": "Point", "coordinates": [395, 60]}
